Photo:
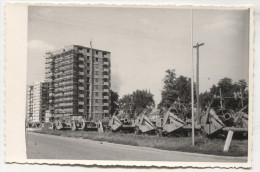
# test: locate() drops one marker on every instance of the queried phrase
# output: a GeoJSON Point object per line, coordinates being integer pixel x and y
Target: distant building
{"type": "Point", "coordinates": [79, 80]}
{"type": "Point", "coordinates": [37, 101]}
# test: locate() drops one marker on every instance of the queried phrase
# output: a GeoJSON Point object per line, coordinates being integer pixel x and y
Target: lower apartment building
{"type": "Point", "coordinates": [79, 82]}
{"type": "Point", "coordinates": [37, 101]}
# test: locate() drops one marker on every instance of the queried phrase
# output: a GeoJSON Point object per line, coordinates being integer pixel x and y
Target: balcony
{"type": "Point", "coordinates": [105, 104]}
{"type": "Point", "coordinates": [105, 97]}
{"type": "Point", "coordinates": [106, 63]}
{"type": "Point", "coordinates": [81, 88]}
{"type": "Point", "coordinates": [105, 83]}
{"type": "Point", "coordinates": [106, 111]}
{"type": "Point", "coordinates": [81, 95]}
{"type": "Point", "coordinates": [106, 70]}
{"type": "Point", "coordinates": [81, 59]}
{"type": "Point", "coordinates": [81, 80]}
{"type": "Point", "coordinates": [81, 103]}
{"type": "Point", "coordinates": [106, 76]}
{"type": "Point", "coordinates": [106, 90]}
{"type": "Point", "coordinates": [81, 110]}
{"type": "Point", "coordinates": [81, 66]}
{"type": "Point", "coordinates": [81, 73]}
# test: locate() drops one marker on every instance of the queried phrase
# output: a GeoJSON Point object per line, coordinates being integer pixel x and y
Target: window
{"type": "Point", "coordinates": [104, 53]}
{"type": "Point", "coordinates": [88, 71]}
{"type": "Point", "coordinates": [96, 52]}
{"type": "Point", "coordinates": [88, 57]}
{"type": "Point", "coordinates": [96, 59]}
{"type": "Point", "coordinates": [96, 93]}
{"type": "Point", "coordinates": [96, 101]}
{"type": "Point", "coordinates": [96, 72]}
{"type": "Point", "coordinates": [96, 87]}
{"type": "Point", "coordinates": [88, 64]}
{"type": "Point", "coordinates": [87, 50]}
{"type": "Point", "coordinates": [96, 80]}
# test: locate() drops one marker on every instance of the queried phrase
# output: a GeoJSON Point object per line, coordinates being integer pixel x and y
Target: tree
{"type": "Point", "coordinates": [142, 99]}
{"type": "Point", "coordinates": [205, 98]}
{"type": "Point", "coordinates": [126, 104]}
{"type": "Point", "coordinates": [242, 83]}
{"type": "Point", "coordinates": [114, 101]}
{"type": "Point", "coordinates": [136, 102]}
{"type": "Point", "coordinates": [229, 91]}
{"type": "Point", "coordinates": [174, 89]}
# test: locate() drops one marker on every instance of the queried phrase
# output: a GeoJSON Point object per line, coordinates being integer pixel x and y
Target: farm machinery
{"type": "Point", "coordinates": [144, 125]}
{"type": "Point", "coordinates": [217, 121]}
{"type": "Point", "coordinates": [123, 124]}
{"type": "Point", "coordinates": [31, 124]}
{"type": "Point", "coordinates": [69, 123]}
{"type": "Point", "coordinates": [220, 120]}
{"type": "Point", "coordinates": [174, 121]}
{"type": "Point", "coordinates": [73, 123]}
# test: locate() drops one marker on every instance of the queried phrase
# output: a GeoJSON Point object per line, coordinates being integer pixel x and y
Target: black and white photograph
{"type": "Point", "coordinates": [138, 84]}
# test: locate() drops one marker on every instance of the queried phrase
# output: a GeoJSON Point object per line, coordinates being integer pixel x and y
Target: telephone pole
{"type": "Point", "coordinates": [192, 78]}
{"type": "Point", "coordinates": [197, 46]}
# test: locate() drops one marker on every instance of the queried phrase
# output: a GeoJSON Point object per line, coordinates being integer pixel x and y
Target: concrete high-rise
{"type": "Point", "coordinates": [79, 82]}
{"type": "Point", "coordinates": [37, 101]}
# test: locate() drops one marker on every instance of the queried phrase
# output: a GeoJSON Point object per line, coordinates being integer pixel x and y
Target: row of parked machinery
{"type": "Point", "coordinates": [175, 121]}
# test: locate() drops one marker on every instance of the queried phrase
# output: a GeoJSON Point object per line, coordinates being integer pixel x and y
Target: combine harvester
{"type": "Point", "coordinates": [169, 125]}
{"type": "Point", "coordinates": [144, 125]}
{"type": "Point", "coordinates": [172, 124]}
{"type": "Point", "coordinates": [31, 124]}
{"type": "Point", "coordinates": [92, 126]}
{"type": "Point", "coordinates": [121, 125]}
{"type": "Point", "coordinates": [222, 121]}
{"type": "Point", "coordinates": [73, 123]}
{"type": "Point", "coordinates": [216, 121]}
{"type": "Point", "coordinates": [175, 121]}
{"type": "Point", "coordinates": [69, 123]}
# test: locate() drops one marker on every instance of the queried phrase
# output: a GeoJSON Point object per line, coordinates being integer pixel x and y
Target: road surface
{"type": "Point", "coordinates": [42, 146]}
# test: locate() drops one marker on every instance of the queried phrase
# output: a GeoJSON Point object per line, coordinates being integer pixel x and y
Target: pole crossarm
{"type": "Point", "coordinates": [198, 45]}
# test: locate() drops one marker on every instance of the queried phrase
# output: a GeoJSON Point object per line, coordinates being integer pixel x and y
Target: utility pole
{"type": "Point", "coordinates": [197, 46]}
{"type": "Point", "coordinates": [192, 78]}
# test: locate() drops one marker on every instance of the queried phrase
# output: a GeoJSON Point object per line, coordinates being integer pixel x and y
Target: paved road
{"type": "Point", "coordinates": [40, 146]}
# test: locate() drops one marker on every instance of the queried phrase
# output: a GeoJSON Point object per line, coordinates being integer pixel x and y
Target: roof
{"type": "Point", "coordinates": [56, 51]}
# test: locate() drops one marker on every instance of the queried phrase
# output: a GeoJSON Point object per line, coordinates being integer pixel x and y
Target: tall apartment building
{"type": "Point", "coordinates": [37, 101]}
{"type": "Point", "coordinates": [79, 80]}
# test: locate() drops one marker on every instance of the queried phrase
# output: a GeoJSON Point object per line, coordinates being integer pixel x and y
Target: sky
{"type": "Point", "coordinates": [144, 42]}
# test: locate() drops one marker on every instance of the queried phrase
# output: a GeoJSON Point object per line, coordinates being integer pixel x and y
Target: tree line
{"type": "Point", "coordinates": [178, 89]}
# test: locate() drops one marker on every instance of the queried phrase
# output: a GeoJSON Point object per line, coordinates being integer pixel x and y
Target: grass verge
{"type": "Point", "coordinates": [183, 144]}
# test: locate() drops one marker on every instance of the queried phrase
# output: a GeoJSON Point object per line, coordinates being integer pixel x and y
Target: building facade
{"type": "Point", "coordinates": [37, 101]}
{"type": "Point", "coordinates": [79, 82]}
